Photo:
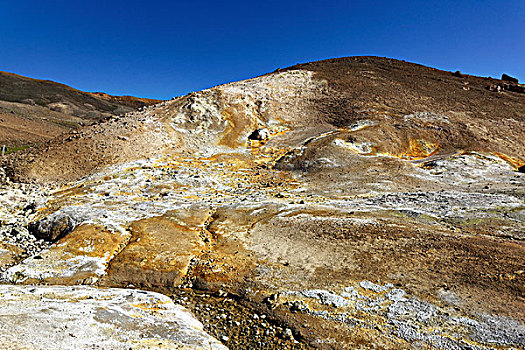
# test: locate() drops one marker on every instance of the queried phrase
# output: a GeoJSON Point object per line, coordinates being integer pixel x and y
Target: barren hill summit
{"type": "Point", "coordinates": [446, 113]}
{"type": "Point", "coordinates": [33, 110]}
{"type": "Point", "coordinates": [359, 202]}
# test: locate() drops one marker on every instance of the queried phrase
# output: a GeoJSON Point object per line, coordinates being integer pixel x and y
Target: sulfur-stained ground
{"type": "Point", "coordinates": [390, 221]}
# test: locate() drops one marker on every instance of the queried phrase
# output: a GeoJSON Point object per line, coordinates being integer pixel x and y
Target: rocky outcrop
{"type": "Point", "coordinates": [151, 259]}
{"type": "Point", "coordinates": [509, 84]}
{"type": "Point", "coordinates": [18, 203]}
{"type": "Point", "coordinates": [506, 77]}
{"type": "Point", "coordinates": [79, 258]}
{"type": "Point", "coordinates": [84, 317]}
{"type": "Point", "coordinates": [500, 87]}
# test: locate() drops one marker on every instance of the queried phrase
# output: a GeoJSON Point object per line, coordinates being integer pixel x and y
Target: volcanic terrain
{"type": "Point", "coordinates": [353, 203]}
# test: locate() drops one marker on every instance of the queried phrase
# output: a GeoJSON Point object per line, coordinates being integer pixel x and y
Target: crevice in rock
{"type": "Point", "coordinates": [207, 239]}
{"type": "Point", "coordinates": [119, 250]}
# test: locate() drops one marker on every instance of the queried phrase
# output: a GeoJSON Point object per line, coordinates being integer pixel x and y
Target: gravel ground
{"type": "Point", "coordinates": [236, 325]}
{"type": "Point", "coordinates": [18, 203]}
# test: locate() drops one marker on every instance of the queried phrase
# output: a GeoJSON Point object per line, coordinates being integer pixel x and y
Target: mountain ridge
{"type": "Point", "coordinates": [128, 100]}
{"type": "Point", "coordinates": [36, 110]}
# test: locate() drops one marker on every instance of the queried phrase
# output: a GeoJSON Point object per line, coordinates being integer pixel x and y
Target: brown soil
{"type": "Point", "coordinates": [23, 125]}
{"type": "Point", "coordinates": [33, 111]}
{"type": "Point", "coordinates": [361, 86]}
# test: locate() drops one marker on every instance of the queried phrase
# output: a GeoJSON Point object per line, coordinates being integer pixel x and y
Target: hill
{"type": "Point", "coordinates": [33, 110]}
{"type": "Point", "coordinates": [361, 202]}
{"type": "Point", "coordinates": [331, 94]}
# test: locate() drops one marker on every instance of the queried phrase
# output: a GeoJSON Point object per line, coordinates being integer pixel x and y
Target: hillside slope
{"type": "Point", "coordinates": [33, 110]}
{"type": "Point", "coordinates": [323, 95]}
{"type": "Point", "coordinates": [355, 203]}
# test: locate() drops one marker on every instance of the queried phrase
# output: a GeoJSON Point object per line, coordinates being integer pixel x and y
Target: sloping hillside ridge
{"type": "Point", "coordinates": [33, 111]}
{"type": "Point", "coordinates": [60, 97]}
{"type": "Point", "coordinates": [333, 94]}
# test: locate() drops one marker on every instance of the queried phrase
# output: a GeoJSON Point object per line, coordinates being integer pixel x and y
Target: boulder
{"type": "Point", "coordinates": [509, 78]}
{"type": "Point", "coordinates": [52, 228]}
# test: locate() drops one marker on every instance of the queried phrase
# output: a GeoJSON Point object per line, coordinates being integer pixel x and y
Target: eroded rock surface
{"type": "Point", "coordinates": [370, 213]}
{"type": "Point", "coordinates": [92, 318]}
{"type": "Point", "coordinates": [79, 258]}
{"type": "Point", "coordinates": [158, 254]}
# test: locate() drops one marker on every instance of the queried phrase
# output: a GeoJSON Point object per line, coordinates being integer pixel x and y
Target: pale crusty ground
{"type": "Point", "coordinates": [81, 317]}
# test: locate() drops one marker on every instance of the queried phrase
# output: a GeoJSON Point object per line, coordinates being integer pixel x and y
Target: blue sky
{"type": "Point", "coordinates": [162, 49]}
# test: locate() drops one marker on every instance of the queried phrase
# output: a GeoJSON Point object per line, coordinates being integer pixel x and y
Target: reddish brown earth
{"type": "Point", "coordinates": [361, 86]}
{"type": "Point", "coordinates": [33, 111]}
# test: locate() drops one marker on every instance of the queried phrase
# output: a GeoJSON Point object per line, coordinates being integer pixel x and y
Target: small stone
{"type": "Point", "coordinates": [288, 334]}
{"type": "Point", "coordinates": [259, 134]}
